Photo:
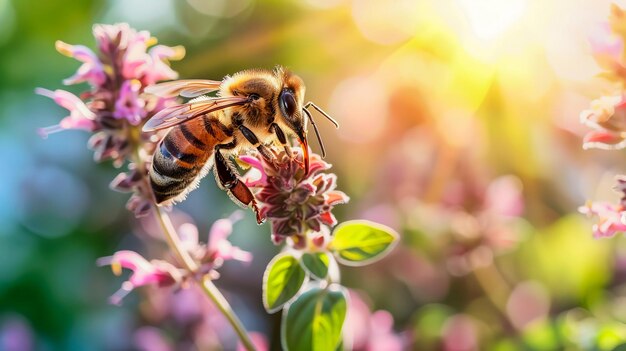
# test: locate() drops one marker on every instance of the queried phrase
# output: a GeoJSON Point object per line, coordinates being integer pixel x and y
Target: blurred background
{"type": "Point", "coordinates": [459, 128]}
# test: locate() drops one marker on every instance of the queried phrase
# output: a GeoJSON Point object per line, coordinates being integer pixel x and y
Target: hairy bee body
{"type": "Point", "coordinates": [252, 109]}
{"type": "Point", "coordinates": [184, 156]}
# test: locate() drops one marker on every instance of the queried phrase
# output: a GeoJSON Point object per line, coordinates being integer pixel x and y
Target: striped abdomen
{"type": "Point", "coordinates": [179, 160]}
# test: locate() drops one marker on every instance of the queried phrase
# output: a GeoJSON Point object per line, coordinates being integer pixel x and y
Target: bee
{"type": "Point", "coordinates": [251, 109]}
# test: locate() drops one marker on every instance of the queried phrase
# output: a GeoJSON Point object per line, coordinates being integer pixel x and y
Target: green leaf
{"type": "Point", "coordinates": [316, 264]}
{"type": "Point", "coordinates": [282, 280]}
{"type": "Point", "coordinates": [357, 243]}
{"type": "Point", "coordinates": [314, 321]}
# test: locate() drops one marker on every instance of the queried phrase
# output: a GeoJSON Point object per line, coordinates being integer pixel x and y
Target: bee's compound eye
{"type": "Point", "coordinates": [288, 103]}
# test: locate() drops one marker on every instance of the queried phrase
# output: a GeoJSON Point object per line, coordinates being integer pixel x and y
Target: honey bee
{"type": "Point", "coordinates": [252, 109]}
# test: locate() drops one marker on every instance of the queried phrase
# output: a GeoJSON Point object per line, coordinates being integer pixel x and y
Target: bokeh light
{"type": "Point", "coordinates": [459, 128]}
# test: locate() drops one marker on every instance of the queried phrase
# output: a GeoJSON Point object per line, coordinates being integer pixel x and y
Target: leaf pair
{"type": "Point", "coordinates": [314, 319]}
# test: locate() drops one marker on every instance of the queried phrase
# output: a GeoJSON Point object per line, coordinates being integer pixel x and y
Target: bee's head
{"type": "Point", "coordinates": [290, 113]}
{"type": "Point", "coordinates": [273, 97]}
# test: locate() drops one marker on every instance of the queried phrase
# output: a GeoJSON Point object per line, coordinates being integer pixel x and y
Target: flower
{"type": "Point", "coordinates": [212, 255]}
{"type": "Point", "coordinates": [294, 202]}
{"type": "Point", "coordinates": [610, 218]}
{"type": "Point", "coordinates": [115, 107]}
{"type": "Point", "coordinates": [128, 104]}
{"type": "Point", "coordinates": [156, 272]}
{"type": "Point", "coordinates": [364, 330]}
{"type": "Point", "coordinates": [607, 116]}
{"type": "Point", "coordinates": [91, 71]}
{"type": "Point", "coordinates": [80, 116]}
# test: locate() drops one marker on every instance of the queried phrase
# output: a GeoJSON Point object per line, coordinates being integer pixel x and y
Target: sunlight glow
{"type": "Point", "coordinates": [491, 18]}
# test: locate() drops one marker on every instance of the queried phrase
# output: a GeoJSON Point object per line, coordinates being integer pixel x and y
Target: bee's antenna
{"type": "Point", "coordinates": [317, 132]}
{"type": "Point", "coordinates": [332, 120]}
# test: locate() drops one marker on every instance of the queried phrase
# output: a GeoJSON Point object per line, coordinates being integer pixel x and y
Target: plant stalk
{"type": "Point", "coordinates": [205, 283]}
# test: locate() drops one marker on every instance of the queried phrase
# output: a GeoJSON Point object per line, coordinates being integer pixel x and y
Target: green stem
{"type": "Point", "coordinates": [495, 287]}
{"type": "Point", "coordinates": [205, 283]}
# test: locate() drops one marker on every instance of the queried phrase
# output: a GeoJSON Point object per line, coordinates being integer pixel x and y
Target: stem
{"type": "Point", "coordinates": [207, 285]}
{"type": "Point", "coordinates": [494, 286]}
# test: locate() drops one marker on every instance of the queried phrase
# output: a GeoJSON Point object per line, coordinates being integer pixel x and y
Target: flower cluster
{"type": "Point", "coordinates": [209, 257]}
{"type": "Point", "coordinates": [607, 118]}
{"type": "Point", "coordinates": [295, 203]}
{"type": "Point", "coordinates": [114, 108]}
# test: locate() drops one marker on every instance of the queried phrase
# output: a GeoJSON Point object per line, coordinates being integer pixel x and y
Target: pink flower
{"type": "Point", "coordinates": [80, 116]}
{"type": "Point", "coordinates": [460, 334]}
{"type": "Point", "coordinates": [115, 107]}
{"type": "Point", "coordinates": [610, 218]}
{"type": "Point", "coordinates": [504, 197]}
{"type": "Point", "coordinates": [135, 56]}
{"type": "Point", "coordinates": [91, 71]}
{"type": "Point", "coordinates": [607, 116]}
{"type": "Point", "coordinates": [157, 68]}
{"type": "Point", "coordinates": [128, 105]}
{"type": "Point", "coordinates": [119, 36]}
{"type": "Point", "coordinates": [156, 272]}
{"type": "Point", "coordinates": [294, 202]}
{"type": "Point", "coordinates": [368, 331]}
{"type": "Point", "coordinates": [218, 249]}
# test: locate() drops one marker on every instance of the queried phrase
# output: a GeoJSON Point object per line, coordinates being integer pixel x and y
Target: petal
{"type": "Point", "coordinates": [188, 235]}
{"type": "Point", "coordinates": [336, 198]}
{"type": "Point", "coordinates": [604, 140]}
{"type": "Point", "coordinates": [328, 218]}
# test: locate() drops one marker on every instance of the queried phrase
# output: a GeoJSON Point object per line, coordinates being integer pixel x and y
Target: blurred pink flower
{"type": "Point", "coordinates": [528, 302]}
{"type": "Point", "coordinates": [150, 339]}
{"type": "Point", "coordinates": [156, 272]}
{"type": "Point", "coordinates": [607, 116]}
{"type": "Point", "coordinates": [80, 116]}
{"type": "Point", "coordinates": [610, 218]}
{"type": "Point", "coordinates": [295, 203]}
{"type": "Point", "coordinates": [606, 47]}
{"type": "Point", "coordinates": [366, 331]}
{"type": "Point", "coordinates": [128, 105]}
{"type": "Point", "coordinates": [91, 71]}
{"type": "Point", "coordinates": [459, 334]}
{"type": "Point", "coordinates": [504, 197]}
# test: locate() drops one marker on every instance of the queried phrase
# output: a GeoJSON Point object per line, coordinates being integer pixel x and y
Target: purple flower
{"type": "Point", "coordinates": [295, 203]}
{"type": "Point", "coordinates": [128, 105]}
{"type": "Point", "coordinates": [114, 108]}
{"type": "Point", "coordinates": [156, 272]}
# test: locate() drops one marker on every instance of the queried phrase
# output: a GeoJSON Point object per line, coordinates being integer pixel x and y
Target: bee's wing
{"type": "Point", "coordinates": [187, 88]}
{"type": "Point", "coordinates": [174, 115]}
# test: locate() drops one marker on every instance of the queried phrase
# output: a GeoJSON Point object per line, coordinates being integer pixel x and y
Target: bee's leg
{"type": "Point", "coordinates": [252, 138]}
{"type": "Point", "coordinates": [281, 137]}
{"type": "Point", "coordinates": [228, 180]}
